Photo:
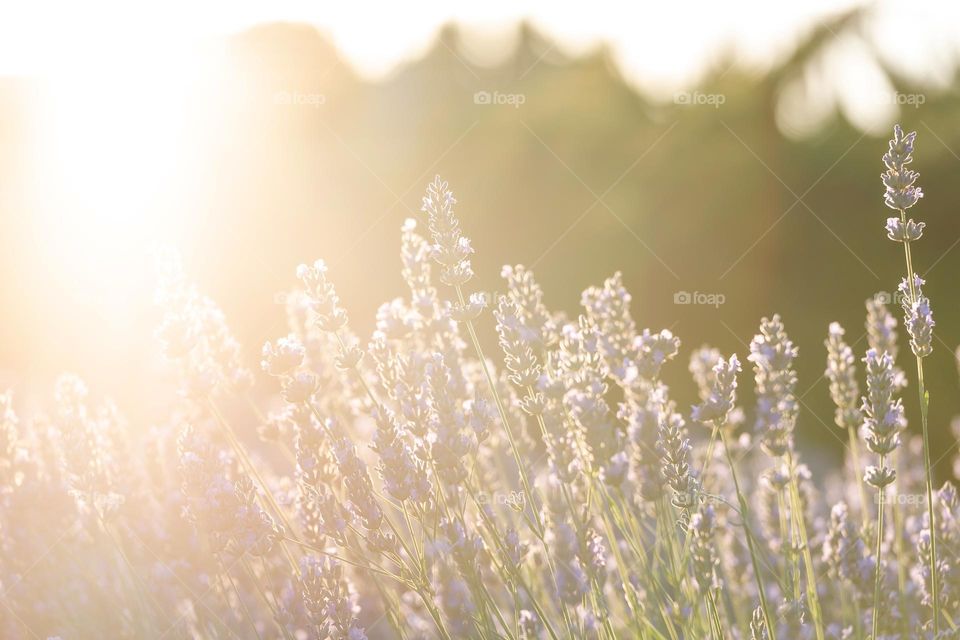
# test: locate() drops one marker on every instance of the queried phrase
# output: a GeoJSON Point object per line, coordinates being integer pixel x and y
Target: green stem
{"type": "Point", "coordinates": [708, 456]}
{"type": "Point", "coordinates": [263, 596]}
{"type": "Point", "coordinates": [711, 445]}
{"type": "Point", "coordinates": [928, 467]}
{"type": "Point", "coordinates": [715, 615]}
{"type": "Point", "coordinates": [790, 578]}
{"type": "Point", "coordinates": [252, 470]}
{"type": "Point", "coordinates": [243, 605]}
{"type": "Point", "coordinates": [879, 556]}
{"type": "Point", "coordinates": [858, 472]}
{"type": "Point", "coordinates": [744, 514]}
{"type": "Point", "coordinates": [899, 552]}
{"type": "Point", "coordinates": [503, 417]}
{"type": "Point", "coordinates": [801, 525]}
{"type": "Point", "coordinates": [677, 562]}
{"type": "Point", "coordinates": [859, 618]}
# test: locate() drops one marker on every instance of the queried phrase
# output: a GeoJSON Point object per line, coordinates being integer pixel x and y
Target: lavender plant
{"type": "Point", "coordinates": [901, 194]}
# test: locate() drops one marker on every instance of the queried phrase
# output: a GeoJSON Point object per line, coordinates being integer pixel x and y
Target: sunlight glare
{"type": "Point", "coordinates": [111, 143]}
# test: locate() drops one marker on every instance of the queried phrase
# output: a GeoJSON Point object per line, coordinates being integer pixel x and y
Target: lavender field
{"type": "Point", "coordinates": [412, 486]}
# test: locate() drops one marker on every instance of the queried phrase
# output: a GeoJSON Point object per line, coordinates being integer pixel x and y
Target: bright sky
{"type": "Point", "coordinates": [657, 43]}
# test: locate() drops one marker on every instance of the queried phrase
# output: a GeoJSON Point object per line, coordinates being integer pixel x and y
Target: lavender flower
{"type": "Point", "coordinates": [447, 423]}
{"type": "Point", "coordinates": [772, 354]}
{"type": "Point", "coordinates": [703, 554]}
{"type": "Point", "coordinates": [918, 317]}
{"type": "Point", "coordinates": [194, 334]}
{"type": "Point", "coordinates": [717, 406]}
{"type": "Point", "coordinates": [323, 515]}
{"type": "Point", "coordinates": [528, 296]}
{"type": "Point", "coordinates": [758, 626]}
{"type": "Point", "coordinates": [224, 509]}
{"type": "Point", "coordinates": [674, 447]}
{"type": "Point", "coordinates": [572, 581]}
{"type": "Point", "coordinates": [846, 555]}
{"type": "Point", "coordinates": [900, 231]}
{"type": "Point", "coordinates": [898, 179]}
{"type": "Point", "coordinates": [415, 269]}
{"type": "Point", "coordinates": [283, 358]}
{"type": "Point", "coordinates": [922, 571]}
{"type": "Point", "coordinates": [842, 374]}
{"type": "Point", "coordinates": [451, 249]}
{"type": "Point", "coordinates": [315, 462]}
{"type": "Point", "coordinates": [608, 307]}
{"type": "Point", "coordinates": [581, 363]}
{"type": "Point", "coordinates": [628, 355]}
{"type": "Point", "coordinates": [395, 320]}
{"type": "Point", "coordinates": [89, 462]}
{"type": "Point", "coordinates": [299, 388]}
{"type": "Point", "coordinates": [654, 350]}
{"type": "Point", "coordinates": [463, 545]}
{"type": "Point", "coordinates": [881, 329]}
{"type": "Point", "coordinates": [359, 489]}
{"type": "Point", "coordinates": [530, 625]}
{"type": "Point", "coordinates": [640, 411]}
{"type": "Point", "coordinates": [702, 363]}
{"type": "Point", "coordinates": [404, 476]}
{"type": "Point", "coordinates": [456, 601]}
{"type": "Point", "coordinates": [882, 415]}
{"type": "Point", "coordinates": [516, 342]}
{"type": "Point", "coordinates": [324, 301]}
{"type": "Point", "coordinates": [329, 600]}
{"type": "Point", "coordinates": [516, 549]}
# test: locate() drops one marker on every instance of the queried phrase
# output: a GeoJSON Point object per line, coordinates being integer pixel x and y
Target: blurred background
{"type": "Point", "coordinates": [725, 158]}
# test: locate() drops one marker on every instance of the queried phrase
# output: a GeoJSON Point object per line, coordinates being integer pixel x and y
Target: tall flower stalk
{"type": "Point", "coordinates": [901, 194]}
{"type": "Point", "coordinates": [772, 353]}
{"type": "Point", "coordinates": [715, 410]}
{"type": "Point", "coordinates": [883, 421]}
{"type": "Point", "coordinates": [881, 329]}
{"type": "Point", "coordinates": [845, 392]}
{"type": "Point", "coordinates": [452, 250]}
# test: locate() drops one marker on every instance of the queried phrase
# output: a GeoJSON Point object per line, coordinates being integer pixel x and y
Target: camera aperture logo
{"type": "Point", "coordinates": [699, 298]}
{"type": "Point", "coordinates": [496, 98]}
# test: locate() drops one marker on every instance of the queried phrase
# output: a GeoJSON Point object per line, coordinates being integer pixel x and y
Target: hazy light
{"type": "Point", "coordinates": [108, 151]}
